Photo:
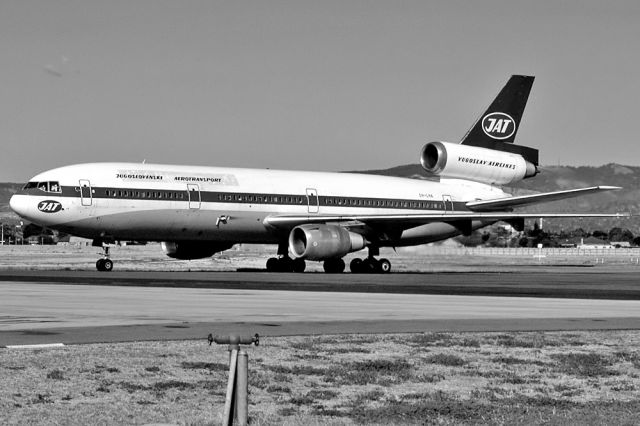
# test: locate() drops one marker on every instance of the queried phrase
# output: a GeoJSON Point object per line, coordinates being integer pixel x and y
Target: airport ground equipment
{"type": "Point", "coordinates": [238, 386]}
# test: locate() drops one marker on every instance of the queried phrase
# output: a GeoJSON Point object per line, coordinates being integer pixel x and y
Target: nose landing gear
{"type": "Point", "coordinates": [105, 264]}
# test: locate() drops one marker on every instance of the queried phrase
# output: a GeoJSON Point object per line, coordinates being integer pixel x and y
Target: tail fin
{"type": "Point", "coordinates": [496, 129]}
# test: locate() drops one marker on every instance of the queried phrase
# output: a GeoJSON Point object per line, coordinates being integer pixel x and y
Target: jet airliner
{"type": "Point", "coordinates": [311, 216]}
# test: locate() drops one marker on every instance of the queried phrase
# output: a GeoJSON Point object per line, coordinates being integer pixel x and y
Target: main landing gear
{"type": "Point", "coordinates": [370, 265]}
{"type": "Point", "coordinates": [105, 264]}
{"type": "Point", "coordinates": [333, 266]}
{"type": "Point", "coordinates": [285, 264]}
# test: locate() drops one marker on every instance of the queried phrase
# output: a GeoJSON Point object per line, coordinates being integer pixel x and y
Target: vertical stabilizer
{"type": "Point", "coordinates": [498, 125]}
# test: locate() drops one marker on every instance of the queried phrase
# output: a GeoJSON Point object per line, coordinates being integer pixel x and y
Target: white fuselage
{"type": "Point", "coordinates": [154, 202]}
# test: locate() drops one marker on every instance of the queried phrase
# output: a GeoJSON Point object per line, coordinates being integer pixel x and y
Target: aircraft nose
{"type": "Point", "coordinates": [18, 204]}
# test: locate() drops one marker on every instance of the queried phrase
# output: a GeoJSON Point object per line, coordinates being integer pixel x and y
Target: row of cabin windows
{"type": "Point", "coordinates": [262, 199]}
{"type": "Point", "coordinates": [168, 195]}
{"type": "Point", "coordinates": [282, 199]}
{"type": "Point", "coordinates": [331, 201]}
{"type": "Point", "coordinates": [367, 202]}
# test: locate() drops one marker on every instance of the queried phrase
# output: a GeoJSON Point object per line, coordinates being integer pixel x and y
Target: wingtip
{"type": "Point", "coordinates": [609, 188]}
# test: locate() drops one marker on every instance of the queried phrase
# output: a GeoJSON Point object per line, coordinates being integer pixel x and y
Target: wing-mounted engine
{"type": "Point", "coordinates": [321, 242]}
{"type": "Point", "coordinates": [189, 250]}
{"type": "Point", "coordinates": [484, 165]}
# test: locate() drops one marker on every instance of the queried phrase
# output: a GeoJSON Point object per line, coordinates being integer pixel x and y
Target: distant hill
{"type": "Point", "coordinates": [6, 191]}
{"type": "Point", "coordinates": [551, 178]}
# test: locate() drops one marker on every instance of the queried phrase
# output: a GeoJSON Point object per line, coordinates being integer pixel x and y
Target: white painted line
{"type": "Point", "coordinates": [42, 346]}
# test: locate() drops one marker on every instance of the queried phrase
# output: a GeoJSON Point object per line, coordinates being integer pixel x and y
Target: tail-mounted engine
{"type": "Point", "coordinates": [484, 165]}
{"type": "Point", "coordinates": [321, 242]}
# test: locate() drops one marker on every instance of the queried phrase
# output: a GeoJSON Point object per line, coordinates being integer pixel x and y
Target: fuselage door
{"type": "Point", "coordinates": [312, 200]}
{"type": "Point", "coordinates": [448, 203]}
{"type": "Point", "coordinates": [85, 192]}
{"type": "Point", "coordinates": [194, 195]}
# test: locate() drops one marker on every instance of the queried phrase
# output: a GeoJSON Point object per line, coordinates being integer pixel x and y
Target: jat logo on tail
{"type": "Point", "coordinates": [498, 125]}
{"type": "Point", "coordinates": [49, 206]}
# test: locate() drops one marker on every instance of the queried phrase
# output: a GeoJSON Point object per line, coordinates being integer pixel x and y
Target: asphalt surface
{"type": "Point", "coordinates": [583, 283]}
{"type": "Point", "coordinates": [74, 307]}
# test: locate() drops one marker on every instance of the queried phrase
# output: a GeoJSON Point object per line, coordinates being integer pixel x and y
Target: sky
{"type": "Point", "coordinates": [308, 85]}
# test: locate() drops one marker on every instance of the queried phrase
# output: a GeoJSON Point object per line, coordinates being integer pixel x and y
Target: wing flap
{"type": "Point", "coordinates": [524, 200]}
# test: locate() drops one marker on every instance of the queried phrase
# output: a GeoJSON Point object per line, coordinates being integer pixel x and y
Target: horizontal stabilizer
{"type": "Point", "coordinates": [544, 197]}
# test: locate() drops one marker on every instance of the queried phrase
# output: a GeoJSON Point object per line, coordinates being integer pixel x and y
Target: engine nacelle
{"type": "Point", "coordinates": [484, 165]}
{"type": "Point", "coordinates": [189, 250]}
{"type": "Point", "coordinates": [321, 242]}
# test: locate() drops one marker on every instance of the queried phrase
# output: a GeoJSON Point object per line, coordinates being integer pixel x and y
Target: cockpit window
{"type": "Point", "coordinates": [51, 186]}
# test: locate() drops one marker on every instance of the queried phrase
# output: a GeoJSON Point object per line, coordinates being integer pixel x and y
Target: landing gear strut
{"type": "Point", "coordinates": [370, 265]}
{"type": "Point", "coordinates": [104, 264]}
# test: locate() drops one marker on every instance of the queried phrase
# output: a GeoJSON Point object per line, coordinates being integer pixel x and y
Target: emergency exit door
{"type": "Point", "coordinates": [86, 196]}
{"type": "Point", "coordinates": [312, 200]}
{"type": "Point", "coordinates": [193, 191]}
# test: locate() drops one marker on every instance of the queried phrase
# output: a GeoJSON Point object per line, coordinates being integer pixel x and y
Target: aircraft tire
{"type": "Point", "coordinates": [298, 265]}
{"type": "Point", "coordinates": [107, 265]}
{"type": "Point", "coordinates": [369, 265]}
{"type": "Point", "coordinates": [384, 266]}
{"type": "Point", "coordinates": [333, 266]}
{"type": "Point", "coordinates": [285, 264]}
{"type": "Point", "coordinates": [100, 265]}
{"type": "Point", "coordinates": [273, 265]}
{"type": "Point", "coordinates": [356, 266]}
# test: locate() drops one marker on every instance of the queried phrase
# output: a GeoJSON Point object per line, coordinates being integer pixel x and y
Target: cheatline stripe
{"type": "Point", "coordinates": [254, 198]}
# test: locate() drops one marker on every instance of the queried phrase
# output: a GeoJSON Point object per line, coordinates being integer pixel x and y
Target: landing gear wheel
{"type": "Point", "coordinates": [104, 265]}
{"type": "Point", "coordinates": [384, 266]}
{"type": "Point", "coordinates": [356, 266]}
{"type": "Point", "coordinates": [369, 265]}
{"type": "Point", "coordinates": [272, 264]}
{"type": "Point", "coordinates": [285, 264]}
{"type": "Point", "coordinates": [298, 265]}
{"type": "Point", "coordinates": [333, 266]}
{"type": "Point", "coordinates": [107, 265]}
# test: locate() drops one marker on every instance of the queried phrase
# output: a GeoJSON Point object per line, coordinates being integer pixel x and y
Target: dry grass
{"type": "Point", "coordinates": [409, 259]}
{"type": "Point", "coordinates": [464, 378]}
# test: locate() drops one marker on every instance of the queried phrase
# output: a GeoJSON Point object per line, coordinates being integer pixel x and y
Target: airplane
{"type": "Point", "coordinates": [196, 212]}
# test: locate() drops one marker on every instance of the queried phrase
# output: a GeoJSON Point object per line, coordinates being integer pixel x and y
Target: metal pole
{"type": "Point", "coordinates": [227, 418]}
{"type": "Point", "coordinates": [242, 389]}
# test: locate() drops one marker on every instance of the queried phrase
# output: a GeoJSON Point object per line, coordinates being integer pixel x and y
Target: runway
{"type": "Point", "coordinates": [41, 308]}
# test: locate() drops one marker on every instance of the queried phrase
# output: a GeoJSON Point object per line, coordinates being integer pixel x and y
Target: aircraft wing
{"type": "Point", "coordinates": [406, 221]}
{"type": "Point", "coordinates": [523, 200]}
